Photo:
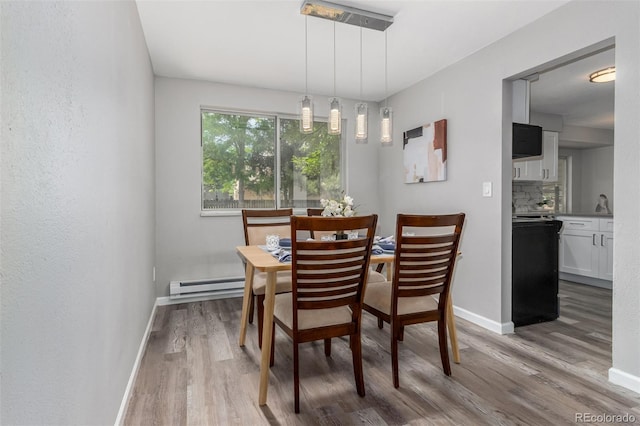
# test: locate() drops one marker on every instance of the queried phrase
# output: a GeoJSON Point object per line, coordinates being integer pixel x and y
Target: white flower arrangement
{"type": "Point", "coordinates": [342, 207]}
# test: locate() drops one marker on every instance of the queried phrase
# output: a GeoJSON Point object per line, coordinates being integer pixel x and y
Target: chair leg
{"type": "Point", "coordinates": [380, 323]}
{"type": "Point", "coordinates": [444, 351]}
{"type": "Point", "coordinates": [394, 353]}
{"type": "Point", "coordinates": [251, 306]}
{"type": "Point", "coordinates": [260, 303]}
{"type": "Point", "coordinates": [327, 347]}
{"type": "Point", "coordinates": [273, 345]}
{"type": "Point", "coordinates": [453, 335]}
{"type": "Point", "coordinates": [401, 333]}
{"type": "Point", "coordinates": [356, 352]}
{"type": "Point", "coordinates": [296, 379]}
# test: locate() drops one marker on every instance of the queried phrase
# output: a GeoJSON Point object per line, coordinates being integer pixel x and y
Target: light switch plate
{"type": "Point", "coordinates": [487, 190]}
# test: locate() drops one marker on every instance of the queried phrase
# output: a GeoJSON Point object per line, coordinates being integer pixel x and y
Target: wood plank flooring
{"type": "Point", "coordinates": [194, 373]}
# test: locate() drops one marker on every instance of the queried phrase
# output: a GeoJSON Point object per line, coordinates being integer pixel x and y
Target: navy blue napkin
{"type": "Point", "coordinates": [285, 256]}
{"type": "Point", "coordinates": [376, 250]}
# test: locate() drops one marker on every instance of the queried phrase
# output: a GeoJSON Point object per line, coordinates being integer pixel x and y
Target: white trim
{"type": "Point", "coordinates": [136, 365]}
{"type": "Point", "coordinates": [595, 282]}
{"type": "Point", "coordinates": [621, 378]}
{"type": "Point", "coordinates": [496, 327]}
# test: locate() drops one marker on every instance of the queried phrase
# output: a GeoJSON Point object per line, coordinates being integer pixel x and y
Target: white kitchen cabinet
{"type": "Point", "coordinates": [549, 162]}
{"type": "Point", "coordinates": [542, 169]}
{"type": "Point", "coordinates": [526, 170]}
{"type": "Point", "coordinates": [586, 247]}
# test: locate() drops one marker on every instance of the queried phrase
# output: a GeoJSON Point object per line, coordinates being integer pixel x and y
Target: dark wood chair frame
{"type": "Point", "coordinates": [317, 211]}
{"type": "Point", "coordinates": [263, 218]}
{"type": "Point", "coordinates": [345, 287]}
{"type": "Point", "coordinates": [423, 267]}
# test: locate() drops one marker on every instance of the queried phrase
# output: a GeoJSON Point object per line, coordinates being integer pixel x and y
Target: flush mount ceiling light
{"type": "Point", "coordinates": [346, 14]}
{"type": "Point", "coordinates": [603, 76]}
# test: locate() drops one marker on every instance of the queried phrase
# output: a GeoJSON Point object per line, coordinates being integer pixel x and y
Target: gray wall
{"type": "Point", "coordinates": [190, 246]}
{"type": "Point", "coordinates": [472, 97]}
{"type": "Point", "coordinates": [77, 215]}
{"type": "Point", "coordinates": [596, 175]}
{"type": "Point", "coordinates": [591, 175]}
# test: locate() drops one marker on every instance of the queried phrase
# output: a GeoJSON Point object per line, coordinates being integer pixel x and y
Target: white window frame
{"type": "Point", "coordinates": [278, 161]}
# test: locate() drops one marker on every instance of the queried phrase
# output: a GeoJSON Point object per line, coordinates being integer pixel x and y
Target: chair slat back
{"type": "Point", "coordinates": [317, 211]}
{"type": "Point", "coordinates": [424, 263]}
{"type": "Point", "coordinates": [260, 223]}
{"type": "Point", "coordinates": [329, 274]}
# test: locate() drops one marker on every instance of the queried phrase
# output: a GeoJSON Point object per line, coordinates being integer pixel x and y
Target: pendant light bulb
{"type": "Point", "coordinates": [361, 108]}
{"type": "Point", "coordinates": [361, 122]}
{"type": "Point", "coordinates": [306, 115]}
{"type": "Point", "coordinates": [335, 109]}
{"type": "Point", "coordinates": [386, 126]}
{"type": "Point", "coordinates": [335, 117]}
{"type": "Point", "coordinates": [386, 114]}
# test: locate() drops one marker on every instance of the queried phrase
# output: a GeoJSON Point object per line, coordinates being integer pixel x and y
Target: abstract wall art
{"type": "Point", "coordinates": [425, 153]}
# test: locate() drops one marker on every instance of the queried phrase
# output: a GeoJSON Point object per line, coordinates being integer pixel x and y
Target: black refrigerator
{"type": "Point", "coordinates": [534, 274]}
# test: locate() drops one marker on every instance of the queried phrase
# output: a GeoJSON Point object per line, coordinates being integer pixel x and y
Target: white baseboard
{"type": "Point", "coordinates": [626, 380]}
{"type": "Point", "coordinates": [595, 282]}
{"type": "Point", "coordinates": [496, 327]}
{"type": "Point", "coordinates": [136, 365]}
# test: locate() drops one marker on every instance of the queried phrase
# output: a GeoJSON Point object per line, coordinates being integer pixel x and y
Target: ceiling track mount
{"type": "Point", "coordinates": [346, 15]}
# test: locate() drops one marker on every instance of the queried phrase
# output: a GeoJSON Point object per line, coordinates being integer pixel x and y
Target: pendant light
{"type": "Point", "coordinates": [335, 109]}
{"type": "Point", "coordinates": [361, 107]}
{"type": "Point", "coordinates": [386, 114]}
{"type": "Point", "coordinates": [306, 104]}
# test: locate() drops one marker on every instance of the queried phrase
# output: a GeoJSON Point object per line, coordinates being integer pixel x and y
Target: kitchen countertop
{"type": "Point", "coordinates": [546, 216]}
{"type": "Point", "coordinates": [600, 215]}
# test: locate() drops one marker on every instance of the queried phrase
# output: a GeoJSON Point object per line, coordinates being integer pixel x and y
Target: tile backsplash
{"type": "Point", "coordinates": [526, 196]}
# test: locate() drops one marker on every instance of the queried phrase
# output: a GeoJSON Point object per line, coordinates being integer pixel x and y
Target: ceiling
{"type": "Point", "coordinates": [260, 43]}
{"type": "Point", "coordinates": [566, 91]}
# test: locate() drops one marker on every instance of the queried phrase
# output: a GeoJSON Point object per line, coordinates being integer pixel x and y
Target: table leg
{"type": "Point", "coordinates": [453, 337]}
{"type": "Point", "coordinates": [267, 327]}
{"type": "Point", "coordinates": [246, 299]}
{"type": "Point", "coordinates": [389, 266]}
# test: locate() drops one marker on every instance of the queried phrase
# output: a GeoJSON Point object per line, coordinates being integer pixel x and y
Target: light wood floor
{"type": "Point", "coordinates": [194, 373]}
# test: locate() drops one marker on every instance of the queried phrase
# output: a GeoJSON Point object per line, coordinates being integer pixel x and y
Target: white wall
{"type": "Point", "coordinates": [189, 246]}
{"type": "Point", "coordinates": [472, 97]}
{"type": "Point", "coordinates": [77, 216]}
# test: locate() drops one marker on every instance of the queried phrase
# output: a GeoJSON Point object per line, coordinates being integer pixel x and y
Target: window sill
{"type": "Point", "coordinates": [231, 213]}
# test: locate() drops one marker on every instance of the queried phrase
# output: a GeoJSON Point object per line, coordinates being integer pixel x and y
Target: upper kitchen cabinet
{"type": "Point", "coordinates": [542, 169]}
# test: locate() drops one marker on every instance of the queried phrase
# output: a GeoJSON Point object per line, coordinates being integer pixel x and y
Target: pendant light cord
{"type": "Point", "coordinates": [361, 61]}
{"type": "Point", "coordinates": [385, 70]}
{"type": "Point", "coordinates": [306, 65]}
{"type": "Point", "coordinates": [334, 59]}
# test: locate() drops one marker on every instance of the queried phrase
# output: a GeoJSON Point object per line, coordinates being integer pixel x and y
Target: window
{"type": "Point", "coordinates": [249, 158]}
{"type": "Point", "coordinates": [556, 194]}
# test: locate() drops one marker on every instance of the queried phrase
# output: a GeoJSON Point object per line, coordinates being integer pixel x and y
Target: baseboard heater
{"type": "Point", "coordinates": [220, 288]}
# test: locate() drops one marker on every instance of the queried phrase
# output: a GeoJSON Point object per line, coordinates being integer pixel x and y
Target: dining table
{"type": "Point", "coordinates": [257, 258]}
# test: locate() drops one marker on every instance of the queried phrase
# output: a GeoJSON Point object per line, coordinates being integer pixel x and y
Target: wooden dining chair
{"type": "Point", "coordinates": [328, 282]}
{"type": "Point", "coordinates": [423, 268]}
{"type": "Point", "coordinates": [257, 225]}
